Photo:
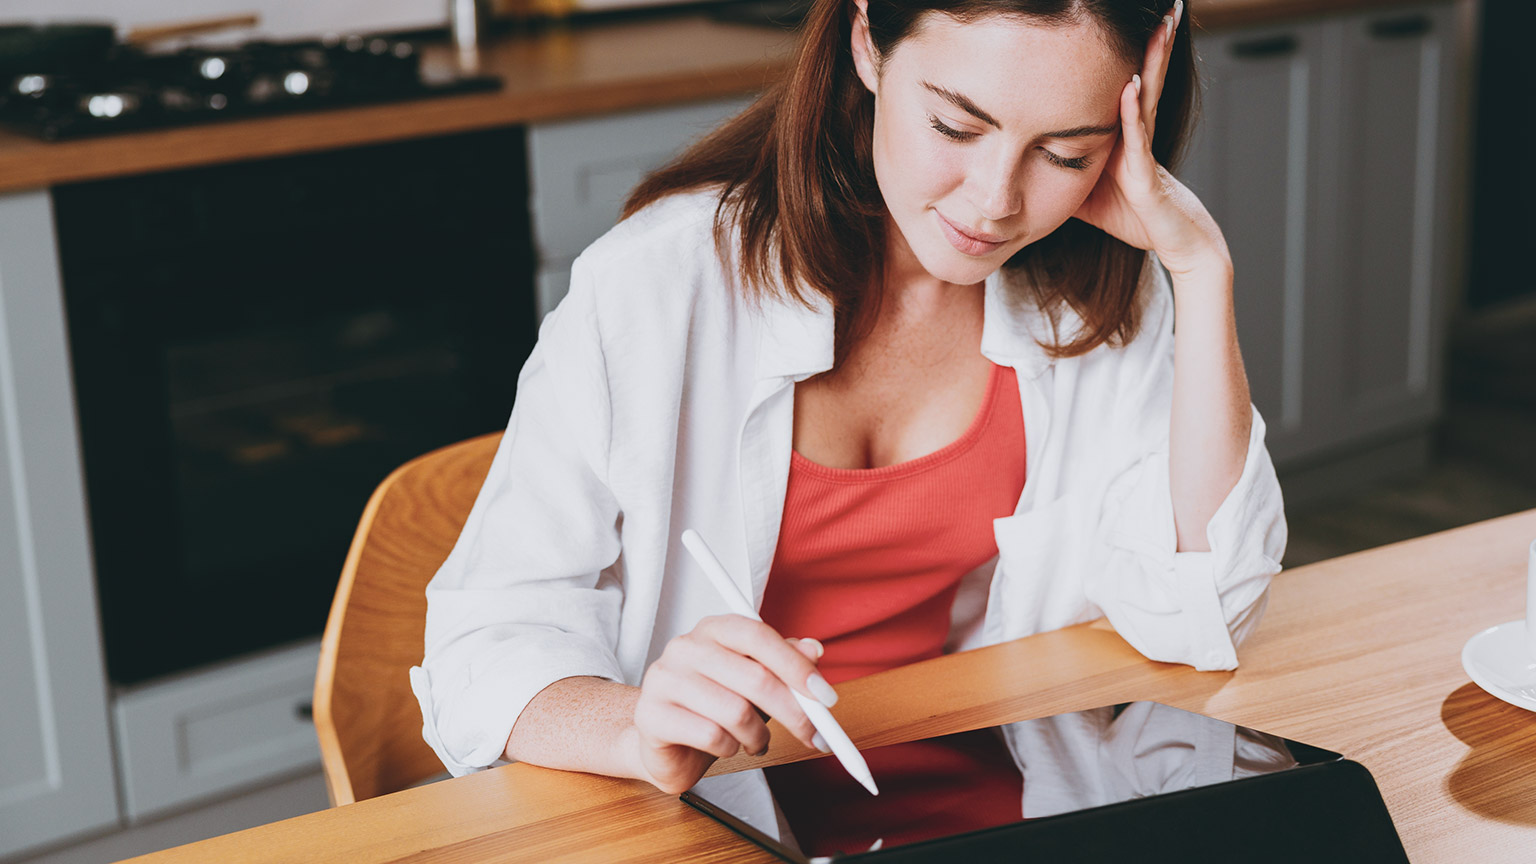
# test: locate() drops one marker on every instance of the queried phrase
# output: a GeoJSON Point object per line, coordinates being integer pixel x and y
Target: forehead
{"type": "Point", "coordinates": [1017, 67]}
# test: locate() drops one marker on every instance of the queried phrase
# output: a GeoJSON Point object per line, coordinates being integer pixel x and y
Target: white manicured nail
{"type": "Point", "coordinates": [814, 643]}
{"type": "Point", "coordinates": [821, 689]}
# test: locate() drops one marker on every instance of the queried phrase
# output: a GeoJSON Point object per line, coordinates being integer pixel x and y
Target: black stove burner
{"type": "Point", "coordinates": [135, 90]}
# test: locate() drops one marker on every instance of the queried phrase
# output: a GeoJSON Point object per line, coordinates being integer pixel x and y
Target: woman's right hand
{"type": "Point", "coordinates": [710, 691]}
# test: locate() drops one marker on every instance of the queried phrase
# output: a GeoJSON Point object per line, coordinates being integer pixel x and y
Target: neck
{"type": "Point", "coordinates": [910, 292]}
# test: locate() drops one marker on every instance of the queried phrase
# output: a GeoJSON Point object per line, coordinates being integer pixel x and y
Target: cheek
{"type": "Point", "coordinates": [914, 164]}
{"type": "Point", "coordinates": [940, 170]}
{"type": "Point", "coordinates": [1056, 193]}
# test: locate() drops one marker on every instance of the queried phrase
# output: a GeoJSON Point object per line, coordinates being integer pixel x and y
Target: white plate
{"type": "Point", "coordinates": [1499, 662]}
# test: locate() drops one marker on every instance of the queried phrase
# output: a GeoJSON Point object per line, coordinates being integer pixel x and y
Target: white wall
{"type": "Point", "coordinates": [279, 18]}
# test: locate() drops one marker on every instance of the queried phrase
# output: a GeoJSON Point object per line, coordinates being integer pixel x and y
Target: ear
{"type": "Point", "coordinates": [865, 60]}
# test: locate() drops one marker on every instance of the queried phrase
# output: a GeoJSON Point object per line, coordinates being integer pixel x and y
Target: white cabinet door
{"type": "Point", "coordinates": [580, 172]}
{"type": "Point", "coordinates": [1251, 164]}
{"type": "Point", "coordinates": [56, 774]}
{"type": "Point", "coordinates": [1393, 239]}
{"type": "Point", "coordinates": [1323, 154]}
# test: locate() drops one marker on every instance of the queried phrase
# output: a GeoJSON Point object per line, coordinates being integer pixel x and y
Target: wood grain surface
{"type": "Point", "coordinates": [1359, 654]}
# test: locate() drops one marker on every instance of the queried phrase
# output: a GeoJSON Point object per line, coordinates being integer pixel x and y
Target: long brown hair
{"type": "Point", "coordinates": [798, 196]}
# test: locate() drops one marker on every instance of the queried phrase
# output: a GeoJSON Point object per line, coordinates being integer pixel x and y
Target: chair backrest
{"type": "Point", "coordinates": [366, 717]}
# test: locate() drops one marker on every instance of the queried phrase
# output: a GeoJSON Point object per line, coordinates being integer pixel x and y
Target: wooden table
{"type": "Point", "coordinates": [1360, 654]}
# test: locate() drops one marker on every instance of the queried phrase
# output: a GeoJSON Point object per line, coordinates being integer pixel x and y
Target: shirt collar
{"type": "Point", "coordinates": [1014, 327]}
{"type": "Point", "coordinates": [797, 340]}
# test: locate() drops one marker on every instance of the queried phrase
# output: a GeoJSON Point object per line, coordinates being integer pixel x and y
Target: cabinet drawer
{"type": "Point", "coordinates": [206, 734]}
{"type": "Point", "coordinates": [580, 171]}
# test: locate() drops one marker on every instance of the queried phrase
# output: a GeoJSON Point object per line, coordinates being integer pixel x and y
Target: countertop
{"type": "Point", "coordinates": [556, 71]}
{"type": "Point", "coordinates": [570, 71]}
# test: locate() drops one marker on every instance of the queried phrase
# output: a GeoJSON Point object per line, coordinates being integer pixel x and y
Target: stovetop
{"type": "Point", "coordinates": [132, 89]}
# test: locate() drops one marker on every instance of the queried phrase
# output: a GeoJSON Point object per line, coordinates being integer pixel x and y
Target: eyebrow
{"type": "Point", "coordinates": [965, 104]}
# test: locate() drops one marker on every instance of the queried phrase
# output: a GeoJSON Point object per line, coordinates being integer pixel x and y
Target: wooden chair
{"type": "Point", "coordinates": [366, 717]}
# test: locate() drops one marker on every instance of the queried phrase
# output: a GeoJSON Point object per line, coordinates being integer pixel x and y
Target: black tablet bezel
{"type": "Point", "coordinates": [1306, 756]}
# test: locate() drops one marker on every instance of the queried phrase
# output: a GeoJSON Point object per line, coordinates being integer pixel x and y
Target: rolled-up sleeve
{"type": "Point", "coordinates": [530, 593]}
{"type": "Point", "coordinates": [1181, 607]}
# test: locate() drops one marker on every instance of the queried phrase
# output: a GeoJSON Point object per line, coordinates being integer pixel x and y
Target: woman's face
{"type": "Point", "coordinates": [988, 135]}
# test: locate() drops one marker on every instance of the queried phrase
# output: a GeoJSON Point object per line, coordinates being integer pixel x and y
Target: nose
{"type": "Point", "coordinates": [997, 186]}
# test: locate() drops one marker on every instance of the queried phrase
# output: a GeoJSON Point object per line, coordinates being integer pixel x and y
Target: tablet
{"type": "Point", "coordinates": [1138, 781]}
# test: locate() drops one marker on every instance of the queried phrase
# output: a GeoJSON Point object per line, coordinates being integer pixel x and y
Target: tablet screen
{"type": "Point", "coordinates": [956, 784]}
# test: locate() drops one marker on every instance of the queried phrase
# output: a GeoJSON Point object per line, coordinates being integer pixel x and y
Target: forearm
{"type": "Point", "coordinates": [1208, 436]}
{"type": "Point", "coordinates": [579, 724]}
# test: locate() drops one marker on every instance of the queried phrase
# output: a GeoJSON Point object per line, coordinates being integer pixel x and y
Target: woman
{"type": "Point", "coordinates": [832, 338]}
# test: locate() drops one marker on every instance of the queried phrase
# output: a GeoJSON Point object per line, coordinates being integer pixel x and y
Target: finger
{"type": "Point", "coordinates": [811, 648]}
{"type": "Point", "coordinates": [1135, 141]}
{"type": "Point", "coordinates": [662, 723]}
{"type": "Point", "coordinates": [764, 644]}
{"type": "Point", "coordinates": [753, 681]}
{"type": "Point", "coordinates": [725, 708]}
{"type": "Point", "coordinates": [1159, 54]}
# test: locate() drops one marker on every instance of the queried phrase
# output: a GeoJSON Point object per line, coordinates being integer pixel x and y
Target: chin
{"type": "Point", "coordinates": [948, 265]}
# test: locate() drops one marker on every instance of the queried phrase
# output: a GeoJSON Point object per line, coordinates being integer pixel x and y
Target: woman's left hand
{"type": "Point", "coordinates": [1137, 200]}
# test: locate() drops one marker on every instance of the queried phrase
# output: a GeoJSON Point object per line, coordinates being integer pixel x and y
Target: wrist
{"type": "Point", "coordinates": [1204, 277]}
{"type": "Point", "coordinates": [1209, 262]}
{"type": "Point", "coordinates": [1203, 255]}
{"type": "Point", "coordinates": [624, 753]}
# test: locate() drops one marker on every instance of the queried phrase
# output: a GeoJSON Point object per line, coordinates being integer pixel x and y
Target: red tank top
{"type": "Point", "coordinates": [868, 562]}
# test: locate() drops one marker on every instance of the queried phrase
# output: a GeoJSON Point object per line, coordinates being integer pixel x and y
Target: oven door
{"type": "Point", "coordinates": [255, 347]}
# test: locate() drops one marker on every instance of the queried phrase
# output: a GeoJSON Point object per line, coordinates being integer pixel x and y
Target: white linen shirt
{"type": "Point", "coordinates": [659, 398]}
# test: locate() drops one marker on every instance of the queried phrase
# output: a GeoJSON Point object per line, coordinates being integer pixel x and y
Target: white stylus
{"type": "Point", "coordinates": [821, 718]}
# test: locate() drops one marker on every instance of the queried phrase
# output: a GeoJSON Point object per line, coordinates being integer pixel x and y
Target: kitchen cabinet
{"type": "Point", "coordinates": [1328, 152]}
{"type": "Point", "coordinates": [56, 775]}
{"type": "Point", "coordinates": [580, 171]}
{"type": "Point", "coordinates": [200, 735]}
{"type": "Point", "coordinates": [1250, 163]}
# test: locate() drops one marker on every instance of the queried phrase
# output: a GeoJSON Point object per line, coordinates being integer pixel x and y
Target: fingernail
{"type": "Point", "coordinates": [1178, 12]}
{"type": "Point", "coordinates": [1136, 81]}
{"type": "Point", "coordinates": [821, 743]}
{"type": "Point", "coordinates": [820, 648]}
{"type": "Point", "coordinates": [1168, 25]}
{"type": "Point", "coordinates": [821, 689]}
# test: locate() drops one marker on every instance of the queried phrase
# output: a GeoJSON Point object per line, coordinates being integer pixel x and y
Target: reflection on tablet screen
{"type": "Point", "coordinates": [971, 781]}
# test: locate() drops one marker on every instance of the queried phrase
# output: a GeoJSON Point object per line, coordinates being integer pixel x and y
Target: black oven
{"type": "Point", "coordinates": [255, 346]}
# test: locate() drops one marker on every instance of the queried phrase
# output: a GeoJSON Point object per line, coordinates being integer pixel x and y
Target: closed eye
{"type": "Point", "coordinates": [1077, 163]}
{"type": "Point", "coordinates": [948, 131]}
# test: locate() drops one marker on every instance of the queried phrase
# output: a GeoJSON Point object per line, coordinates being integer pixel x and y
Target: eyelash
{"type": "Point", "coordinates": [1079, 163]}
{"type": "Point", "coordinates": [947, 131]}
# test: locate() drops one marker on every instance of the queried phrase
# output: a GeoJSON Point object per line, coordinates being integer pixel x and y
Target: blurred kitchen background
{"type": "Point", "coordinates": [255, 254]}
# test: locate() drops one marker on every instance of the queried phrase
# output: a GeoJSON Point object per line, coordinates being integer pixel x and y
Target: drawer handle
{"type": "Point", "coordinates": [305, 711]}
{"type": "Point", "coordinates": [1272, 46]}
{"type": "Point", "coordinates": [1406, 27]}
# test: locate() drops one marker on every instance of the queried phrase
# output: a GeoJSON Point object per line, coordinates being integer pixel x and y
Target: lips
{"type": "Point", "coordinates": [969, 242]}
